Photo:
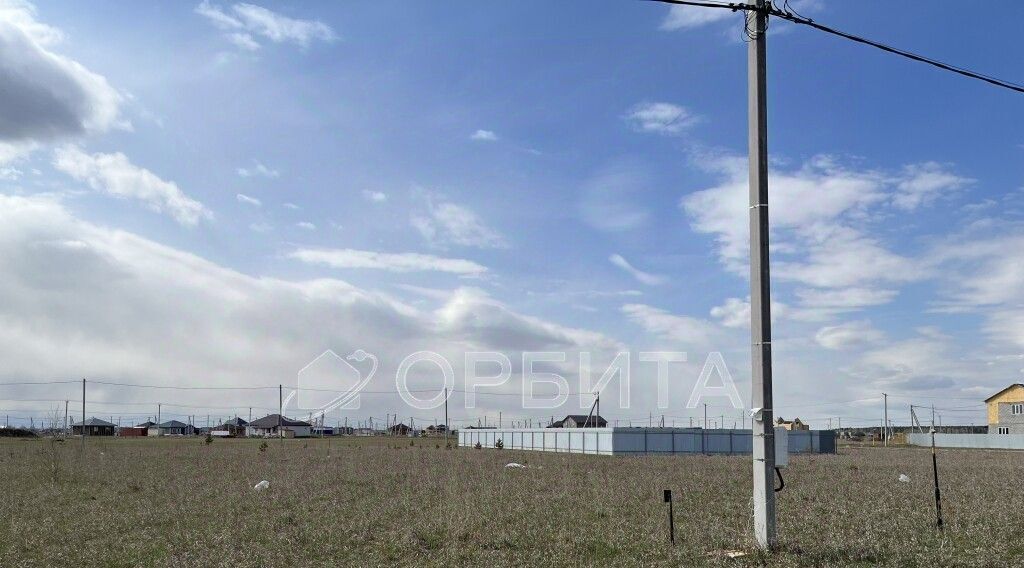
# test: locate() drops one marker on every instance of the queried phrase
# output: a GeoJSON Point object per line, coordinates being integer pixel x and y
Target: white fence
{"type": "Point", "coordinates": [626, 441]}
{"type": "Point", "coordinates": [978, 441]}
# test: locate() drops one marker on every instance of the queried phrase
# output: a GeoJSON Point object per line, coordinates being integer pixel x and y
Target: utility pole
{"type": "Point", "coordinates": [280, 409]}
{"type": "Point", "coordinates": [84, 430]}
{"type": "Point", "coordinates": [756, 22]}
{"type": "Point", "coordinates": [158, 422]}
{"type": "Point", "coordinates": [446, 428]}
{"type": "Point", "coordinates": [885, 430]}
{"type": "Point", "coordinates": [65, 418]}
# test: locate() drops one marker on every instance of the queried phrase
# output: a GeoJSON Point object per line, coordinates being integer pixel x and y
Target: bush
{"type": "Point", "coordinates": [263, 446]}
{"type": "Point", "coordinates": [499, 444]}
{"type": "Point", "coordinates": [478, 446]}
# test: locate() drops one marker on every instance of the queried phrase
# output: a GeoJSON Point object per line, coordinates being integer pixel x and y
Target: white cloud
{"type": "Point", "coordinates": [46, 96]}
{"type": "Point", "coordinates": [686, 331]}
{"type": "Point", "coordinates": [641, 276]}
{"type": "Point", "coordinates": [291, 206]}
{"type": "Point", "coordinates": [261, 227]}
{"type": "Point", "coordinates": [484, 136]}
{"type": "Point", "coordinates": [242, 21]}
{"type": "Point", "coordinates": [260, 170]}
{"type": "Point", "coordinates": [819, 191]}
{"type": "Point", "coordinates": [688, 17]}
{"type": "Point", "coordinates": [394, 262]}
{"type": "Point", "coordinates": [242, 198]}
{"type": "Point", "coordinates": [306, 225]}
{"type": "Point", "coordinates": [1006, 326]}
{"type": "Point", "coordinates": [736, 312]}
{"type": "Point", "coordinates": [115, 175]}
{"type": "Point", "coordinates": [450, 224]}
{"type": "Point", "coordinates": [848, 335]}
{"type": "Point", "coordinates": [839, 256]}
{"type": "Point", "coordinates": [660, 118]}
{"type": "Point", "coordinates": [10, 173]}
{"type": "Point", "coordinates": [243, 41]}
{"type": "Point", "coordinates": [88, 301]}
{"type": "Point", "coordinates": [820, 305]}
{"type": "Point", "coordinates": [918, 363]}
{"type": "Point", "coordinates": [375, 196]}
{"type": "Point", "coordinates": [820, 215]}
{"type": "Point", "coordinates": [922, 184]}
{"type": "Point", "coordinates": [612, 199]}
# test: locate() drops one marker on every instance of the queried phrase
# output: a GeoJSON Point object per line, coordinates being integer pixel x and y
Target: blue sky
{"type": "Point", "coordinates": [458, 176]}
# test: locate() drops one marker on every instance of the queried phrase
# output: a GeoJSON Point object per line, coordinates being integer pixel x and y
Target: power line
{"type": "Point", "coordinates": [21, 383]}
{"type": "Point", "coordinates": [172, 387]}
{"type": "Point", "coordinates": [789, 15]}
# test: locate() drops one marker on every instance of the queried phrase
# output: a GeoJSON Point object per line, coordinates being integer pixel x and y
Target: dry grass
{"type": "Point", "coordinates": [384, 503]}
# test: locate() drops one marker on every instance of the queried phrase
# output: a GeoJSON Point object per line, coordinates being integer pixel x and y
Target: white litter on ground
{"type": "Point", "coordinates": [727, 553]}
{"type": "Point", "coordinates": [514, 464]}
{"type": "Point", "coordinates": [261, 485]}
{"type": "Point", "coordinates": [904, 478]}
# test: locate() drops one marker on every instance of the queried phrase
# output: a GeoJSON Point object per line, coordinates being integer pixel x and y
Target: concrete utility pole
{"type": "Point", "coordinates": [885, 430]}
{"type": "Point", "coordinates": [83, 413]}
{"type": "Point", "coordinates": [756, 22]}
{"type": "Point", "coordinates": [280, 409]}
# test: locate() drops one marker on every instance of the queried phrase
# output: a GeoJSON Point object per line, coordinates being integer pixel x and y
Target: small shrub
{"type": "Point", "coordinates": [499, 444]}
{"type": "Point", "coordinates": [209, 439]}
{"type": "Point", "coordinates": [478, 446]}
{"type": "Point", "coordinates": [263, 446]}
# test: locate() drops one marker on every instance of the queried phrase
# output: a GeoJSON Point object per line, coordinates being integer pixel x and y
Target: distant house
{"type": "Point", "coordinates": [170, 428]}
{"type": "Point", "coordinates": [232, 428]}
{"type": "Point", "coordinates": [136, 431]}
{"type": "Point", "coordinates": [94, 427]}
{"type": "Point", "coordinates": [268, 426]}
{"type": "Point", "coordinates": [1006, 410]}
{"type": "Point", "coordinates": [439, 429]}
{"type": "Point", "coordinates": [580, 421]}
{"type": "Point", "coordinates": [794, 424]}
{"type": "Point", "coordinates": [400, 430]}
{"type": "Point", "coordinates": [324, 430]}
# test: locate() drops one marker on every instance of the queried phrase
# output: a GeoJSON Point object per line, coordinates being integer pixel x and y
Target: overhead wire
{"type": "Point", "coordinates": [789, 14]}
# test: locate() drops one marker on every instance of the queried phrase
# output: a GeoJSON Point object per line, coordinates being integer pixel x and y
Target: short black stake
{"type": "Point", "coordinates": [671, 520]}
{"type": "Point", "coordinates": [938, 495]}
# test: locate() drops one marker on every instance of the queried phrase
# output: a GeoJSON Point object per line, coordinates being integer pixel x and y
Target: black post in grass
{"type": "Point", "coordinates": [671, 520]}
{"type": "Point", "coordinates": [938, 494]}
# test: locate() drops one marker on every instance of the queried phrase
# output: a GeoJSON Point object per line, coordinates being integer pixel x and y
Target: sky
{"type": "Point", "coordinates": [213, 194]}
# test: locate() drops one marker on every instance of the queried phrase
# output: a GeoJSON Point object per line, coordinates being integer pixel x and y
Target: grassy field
{"type": "Point", "coordinates": [386, 502]}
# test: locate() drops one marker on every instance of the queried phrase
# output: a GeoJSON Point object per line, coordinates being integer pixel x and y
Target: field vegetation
{"type": "Point", "coordinates": [395, 502]}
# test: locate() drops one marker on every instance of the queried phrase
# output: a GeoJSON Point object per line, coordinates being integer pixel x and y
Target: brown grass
{"type": "Point", "coordinates": [385, 503]}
